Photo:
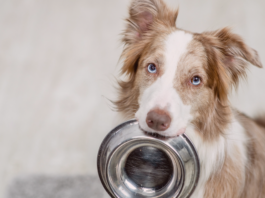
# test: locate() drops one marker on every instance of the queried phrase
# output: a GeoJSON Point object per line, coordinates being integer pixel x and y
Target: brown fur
{"type": "Point", "coordinates": [227, 182]}
{"type": "Point", "coordinates": [127, 104]}
{"type": "Point", "coordinates": [260, 120]}
{"type": "Point", "coordinates": [214, 116]}
{"type": "Point", "coordinates": [227, 57]}
{"type": "Point", "coordinates": [220, 58]}
{"type": "Point", "coordinates": [236, 179]}
{"type": "Point", "coordinates": [148, 19]}
{"type": "Point", "coordinates": [255, 169]}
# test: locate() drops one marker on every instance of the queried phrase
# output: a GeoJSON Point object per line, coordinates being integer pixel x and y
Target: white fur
{"type": "Point", "coordinates": [212, 154]}
{"type": "Point", "coordinates": [161, 94]}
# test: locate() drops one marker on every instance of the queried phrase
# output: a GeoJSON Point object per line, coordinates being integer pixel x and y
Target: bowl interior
{"type": "Point", "coordinates": [145, 168]}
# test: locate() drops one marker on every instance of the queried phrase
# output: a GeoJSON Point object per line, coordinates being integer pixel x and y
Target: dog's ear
{"type": "Point", "coordinates": [146, 18]}
{"type": "Point", "coordinates": [143, 15]}
{"type": "Point", "coordinates": [235, 54]}
{"type": "Point", "coordinates": [228, 57]}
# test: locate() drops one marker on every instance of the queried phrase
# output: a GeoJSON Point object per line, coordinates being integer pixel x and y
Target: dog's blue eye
{"type": "Point", "coordinates": [196, 80]}
{"type": "Point", "coordinates": [151, 68]}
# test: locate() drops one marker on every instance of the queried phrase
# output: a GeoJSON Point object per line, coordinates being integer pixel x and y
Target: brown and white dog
{"type": "Point", "coordinates": [178, 81]}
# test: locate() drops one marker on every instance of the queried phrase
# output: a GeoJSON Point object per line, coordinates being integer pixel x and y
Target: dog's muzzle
{"type": "Point", "coordinates": [132, 163]}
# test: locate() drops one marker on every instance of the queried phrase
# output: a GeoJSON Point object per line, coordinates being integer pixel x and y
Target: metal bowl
{"type": "Point", "coordinates": [132, 163]}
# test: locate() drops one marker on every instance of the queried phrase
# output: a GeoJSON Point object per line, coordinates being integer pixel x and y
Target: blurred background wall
{"type": "Point", "coordinates": [58, 62]}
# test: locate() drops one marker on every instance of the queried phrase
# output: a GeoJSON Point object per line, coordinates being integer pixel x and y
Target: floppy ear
{"type": "Point", "coordinates": [143, 15]}
{"type": "Point", "coordinates": [236, 54]}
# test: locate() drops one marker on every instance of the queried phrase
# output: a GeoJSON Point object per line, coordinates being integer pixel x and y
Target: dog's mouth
{"type": "Point", "coordinates": [160, 135]}
{"type": "Point", "coordinates": [156, 134]}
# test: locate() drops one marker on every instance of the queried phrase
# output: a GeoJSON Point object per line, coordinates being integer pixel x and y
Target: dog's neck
{"type": "Point", "coordinates": [213, 121]}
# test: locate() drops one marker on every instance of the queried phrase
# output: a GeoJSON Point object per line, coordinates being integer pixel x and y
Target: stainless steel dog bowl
{"type": "Point", "coordinates": [133, 163]}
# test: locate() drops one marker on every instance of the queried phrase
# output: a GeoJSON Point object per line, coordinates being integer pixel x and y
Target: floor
{"type": "Point", "coordinates": [58, 63]}
{"type": "Point", "coordinates": [43, 186]}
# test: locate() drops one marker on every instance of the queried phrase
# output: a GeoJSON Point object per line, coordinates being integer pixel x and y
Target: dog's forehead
{"type": "Point", "coordinates": [175, 51]}
{"type": "Point", "coordinates": [176, 46]}
{"type": "Point", "coordinates": [178, 41]}
{"type": "Point", "coordinates": [195, 56]}
{"type": "Point", "coordinates": [183, 52]}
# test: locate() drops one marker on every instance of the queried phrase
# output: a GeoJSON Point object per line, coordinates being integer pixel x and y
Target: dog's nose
{"type": "Point", "coordinates": [158, 119]}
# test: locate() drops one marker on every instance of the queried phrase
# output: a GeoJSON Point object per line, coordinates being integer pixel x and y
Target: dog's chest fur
{"type": "Point", "coordinates": [212, 155]}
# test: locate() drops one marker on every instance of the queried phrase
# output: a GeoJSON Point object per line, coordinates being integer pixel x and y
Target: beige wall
{"type": "Point", "coordinates": [58, 59]}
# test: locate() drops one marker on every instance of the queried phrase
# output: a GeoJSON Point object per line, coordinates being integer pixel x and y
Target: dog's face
{"type": "Point", "coordinates": [171, 80]}
{"type": "Point", "coordinates": [178, 78]}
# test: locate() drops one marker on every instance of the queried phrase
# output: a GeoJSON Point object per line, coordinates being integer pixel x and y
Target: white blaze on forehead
{"type": "Point", "coordinates": [176, 46]}
{"type": "Point", "coordinates": [162, 93]}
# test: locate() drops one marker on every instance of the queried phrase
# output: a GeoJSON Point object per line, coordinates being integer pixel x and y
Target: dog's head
{"type": "Point", "coordinates": [176, 77]}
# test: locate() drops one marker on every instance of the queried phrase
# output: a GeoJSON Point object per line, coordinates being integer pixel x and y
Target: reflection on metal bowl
{"type": "Point", "coordinates": [132, 163]}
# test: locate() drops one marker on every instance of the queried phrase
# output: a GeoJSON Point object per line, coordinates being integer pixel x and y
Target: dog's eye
{"type": "Point", "coordinates": [196, 80]}
{"type": "Point", "coordinates": [151, 68]}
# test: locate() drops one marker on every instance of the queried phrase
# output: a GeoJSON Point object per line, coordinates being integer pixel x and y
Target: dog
{"type": "Point", "coordinates": [178, 82]}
